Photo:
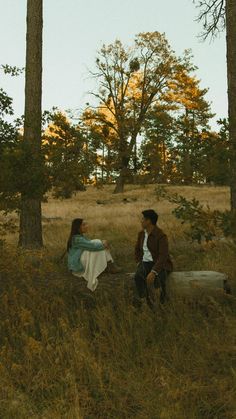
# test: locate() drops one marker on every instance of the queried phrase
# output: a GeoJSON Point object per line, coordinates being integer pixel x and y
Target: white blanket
{"type": "Point", "coordinates": [94, 264]}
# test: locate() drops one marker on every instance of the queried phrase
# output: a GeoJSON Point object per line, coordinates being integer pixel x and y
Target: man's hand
{"type": "Point", "coordinates": [151, 278]}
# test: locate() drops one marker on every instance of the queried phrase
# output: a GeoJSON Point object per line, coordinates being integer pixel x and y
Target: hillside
{"type": "Point", "coordinates": [68, 353]}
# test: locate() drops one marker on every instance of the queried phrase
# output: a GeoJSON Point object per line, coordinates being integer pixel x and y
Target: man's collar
{"type": "Point", "coordinates": [154, 231]}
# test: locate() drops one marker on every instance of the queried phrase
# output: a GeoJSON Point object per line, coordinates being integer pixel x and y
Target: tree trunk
{"type": "Point", "coordinates": [103, 161]}
{"type": "Point", "coordinates": [30, 229]}
{"type": "Point", "coordinates": [108, 164]}
{"type": "Point", "coordinates": [135, 156]}
{"type": "Point", "coordinates": [30, 217]}
{"type": "Point", "coordinates": [231, 65]}
{"type": "Point", "coordinates": [164, 177]}
{"type": "Point", "coordinates": [125, 152]}
{"type": "Point", "coordinates": [120, 182]}
{"type": "Point", "coordinates": [187, 167]}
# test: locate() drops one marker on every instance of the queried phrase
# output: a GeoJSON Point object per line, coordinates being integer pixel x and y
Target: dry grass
{"type": "Point", "coordinates": [67, 353]}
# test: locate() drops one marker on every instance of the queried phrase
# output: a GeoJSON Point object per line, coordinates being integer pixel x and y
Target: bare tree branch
{"type": "Point", "coordinates": [212, 15]}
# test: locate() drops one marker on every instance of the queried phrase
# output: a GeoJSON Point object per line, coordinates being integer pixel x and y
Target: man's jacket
{"type": "Point", "coordinates": [157, 244]}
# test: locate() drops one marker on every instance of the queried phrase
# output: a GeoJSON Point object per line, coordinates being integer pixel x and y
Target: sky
{"type": "Point", "coordinates": [74, 30]}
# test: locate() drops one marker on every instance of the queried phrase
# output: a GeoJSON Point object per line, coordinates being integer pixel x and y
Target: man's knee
{"type": "Point", "coordinates": [160, 280]}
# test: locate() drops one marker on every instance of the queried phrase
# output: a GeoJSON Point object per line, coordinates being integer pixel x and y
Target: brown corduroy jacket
{"type": "Point", "coordinates": [157, 244]}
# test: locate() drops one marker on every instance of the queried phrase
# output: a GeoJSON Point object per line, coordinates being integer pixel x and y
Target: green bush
{"type": "Point", "coordinates": [204, 223]}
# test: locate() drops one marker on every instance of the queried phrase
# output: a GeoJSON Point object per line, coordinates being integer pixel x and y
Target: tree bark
{"type": "Point", "coordinates": [164, 177]}
{"type": "Point", "coordinates": [187, 167]}
{"type": "Point", "coordinates": [231, 66]}
{"type": "Point", "coordinates": [126, 151]}
{"type": "Point", "coordinates": [30, 217]}
{"type": "Point", "coordinates": [108, 164]}
{"type": "Point", "coordinates": [125, 155]}
{"type": "Point", "coordinates": [120, 182]}
{"type": "Point", "coordinates": [135, 157]}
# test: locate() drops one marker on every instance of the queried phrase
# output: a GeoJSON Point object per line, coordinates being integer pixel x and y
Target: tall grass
{"type": "Point", "coordinates": [68, 353]}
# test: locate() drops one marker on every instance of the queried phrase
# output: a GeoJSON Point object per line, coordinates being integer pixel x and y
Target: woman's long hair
{"type": "Point", "coordinates": [75, 229]}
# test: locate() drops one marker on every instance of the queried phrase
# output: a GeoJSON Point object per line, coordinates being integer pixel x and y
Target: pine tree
{"type": "Point", "coordinates": [31, 196]}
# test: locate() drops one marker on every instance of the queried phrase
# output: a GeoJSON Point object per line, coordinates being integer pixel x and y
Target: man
{"type": "Point", "coordinates": [152, 256]}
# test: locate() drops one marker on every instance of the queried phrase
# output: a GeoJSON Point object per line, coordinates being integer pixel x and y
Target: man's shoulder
{"type": "Point", "coordinates": [159, 232]}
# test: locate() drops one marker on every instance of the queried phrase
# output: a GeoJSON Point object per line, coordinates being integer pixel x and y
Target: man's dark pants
{"type": "Point", "coordinates": [143, 269]}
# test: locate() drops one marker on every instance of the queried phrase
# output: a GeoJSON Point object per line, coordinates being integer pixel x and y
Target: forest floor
{"type": "Point", "coordinates": [68, 353]}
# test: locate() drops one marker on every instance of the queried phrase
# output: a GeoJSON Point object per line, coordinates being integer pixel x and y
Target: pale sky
{"type": "Point", "coordinates": [75, 29]}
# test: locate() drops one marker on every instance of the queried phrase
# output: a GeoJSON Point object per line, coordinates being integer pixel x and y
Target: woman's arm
{"type": "Point", "coordinates": [81, 242]}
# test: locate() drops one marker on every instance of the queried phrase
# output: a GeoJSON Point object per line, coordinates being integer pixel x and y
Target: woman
{"type": "Point", "coordinates": [88, 258]}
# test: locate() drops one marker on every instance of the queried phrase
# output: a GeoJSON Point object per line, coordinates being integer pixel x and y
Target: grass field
{"type": "Point", "coordinates": [69, 353]}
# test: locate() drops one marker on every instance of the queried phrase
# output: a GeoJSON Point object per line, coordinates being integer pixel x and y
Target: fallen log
{"type": "Point", "coordinates": [190, 281]}
{"type": "Point", "coordinates": [198, 280]}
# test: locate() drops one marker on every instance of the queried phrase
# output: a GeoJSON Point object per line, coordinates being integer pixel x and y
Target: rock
{"type": "Point", "coordinates": [104, 201]}
{"type": "Point", "coordinates": [129, 200]}
{"type": "Point", "coordinates": [126, 200]}
{"type": "Point", "coordinates": [101, 202]}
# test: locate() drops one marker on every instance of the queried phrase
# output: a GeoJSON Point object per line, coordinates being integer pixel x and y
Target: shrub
{"type": "Point", "coordinates": [204, 223]}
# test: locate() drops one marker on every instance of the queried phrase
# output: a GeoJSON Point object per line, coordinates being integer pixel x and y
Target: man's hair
{"type": "Point", "coordinates": [151, 215]}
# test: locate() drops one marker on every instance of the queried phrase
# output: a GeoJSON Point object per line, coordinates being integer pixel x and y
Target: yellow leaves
{"type": "Point", "coordinates": [102, 116]}
{"type": "Point", "coordinates": [134, 90]}
{"type": "Point", "coordinates": [185, 91]}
